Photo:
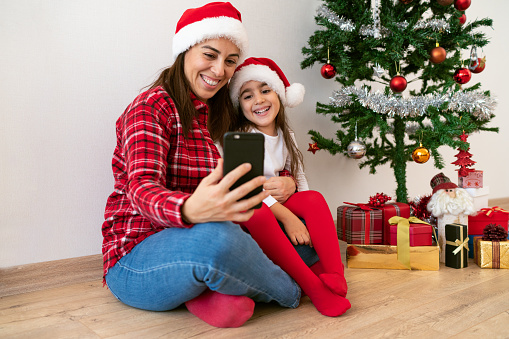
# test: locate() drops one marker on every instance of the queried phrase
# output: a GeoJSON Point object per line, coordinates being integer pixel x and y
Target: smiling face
{"type": "Point", "coordinates": [260, 104]}
{"type": "Point", "coordinates": [209, 65]}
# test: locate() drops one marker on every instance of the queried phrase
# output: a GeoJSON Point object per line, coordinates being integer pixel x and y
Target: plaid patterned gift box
{"type": "Point", "coordinates": [359, 224]}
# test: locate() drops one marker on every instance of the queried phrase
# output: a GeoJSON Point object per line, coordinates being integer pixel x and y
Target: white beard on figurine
{"type": "Point", "coordinates": [449, 204]}
{"type": "Point", "coordinates": [443, 202]}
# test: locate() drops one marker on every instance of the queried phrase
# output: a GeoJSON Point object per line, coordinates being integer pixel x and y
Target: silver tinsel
{"type": "Point", "coordinates": [377, 30]}
{"type": "Point", "coordinates": [343, 24]}
{"type": "Point", "coordinates": [474, 102]}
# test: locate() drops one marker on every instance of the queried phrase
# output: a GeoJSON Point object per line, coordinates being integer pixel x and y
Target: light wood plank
{"type": "Point", "coordinates": [34, 277]}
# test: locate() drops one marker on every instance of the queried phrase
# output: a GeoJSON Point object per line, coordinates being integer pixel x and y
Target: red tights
{"type": "Point", "coordinates": [325, 284]}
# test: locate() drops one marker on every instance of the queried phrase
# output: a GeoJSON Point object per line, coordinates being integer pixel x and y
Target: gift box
{"type": "Point", "coordinates": [420, 235]}
{"type": "Point", "coordinates": [444, 220]}
{"type": "Point", "coordinates": [456, 246]}
{"type": "Point", "coordinates": [472, 180]}
{"type": "Point", "coordinates": [486, 216]}
{"type": "Point", "coordinates": [491, 254]}
{"type": "Point", "coordinates": [424, 258]}
{"type": "Point", "coordinates": [391, 210]}
{"type": "Point", "coordinates": [480, 197]}
{"type": "Point", "coordinates": [471, 244]}
{"type": "Point", "coordinates": [359, 224]}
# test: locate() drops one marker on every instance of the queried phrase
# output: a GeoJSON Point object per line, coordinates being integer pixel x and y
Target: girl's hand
{"type": "Point", "coordinates": [213, 201]}
{"type": "Point", "coordinates": [297, 232]}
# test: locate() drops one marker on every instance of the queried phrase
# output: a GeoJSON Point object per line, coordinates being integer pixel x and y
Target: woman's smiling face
{"type": "Point", "coordinates": [209, 65]}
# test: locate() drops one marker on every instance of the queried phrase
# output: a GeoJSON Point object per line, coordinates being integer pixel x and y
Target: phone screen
{"type": "Point", "coordinates": [239, 148]}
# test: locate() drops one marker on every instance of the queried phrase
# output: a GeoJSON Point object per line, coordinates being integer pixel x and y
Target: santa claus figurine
{"type": "Point", "coordinates": [449, 204]}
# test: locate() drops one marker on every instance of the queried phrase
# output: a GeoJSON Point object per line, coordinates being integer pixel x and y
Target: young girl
{"type": "Point", "coordinates": [260, 91]}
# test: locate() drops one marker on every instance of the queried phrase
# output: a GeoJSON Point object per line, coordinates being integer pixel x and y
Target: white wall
{"type": "Point", "coordinates": [69, 68]}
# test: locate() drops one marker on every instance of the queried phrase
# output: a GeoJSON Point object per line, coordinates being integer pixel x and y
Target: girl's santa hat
{"type": "Point", "coordinates": [267, 71]}
{"type": "Point", "coordinates": [211, 21]}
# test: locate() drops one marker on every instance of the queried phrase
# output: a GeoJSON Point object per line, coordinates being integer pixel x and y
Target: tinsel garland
{"type": "Point", "coordinates": [371, 30]}
{"type": "Point", "coordinates": [474, 102]}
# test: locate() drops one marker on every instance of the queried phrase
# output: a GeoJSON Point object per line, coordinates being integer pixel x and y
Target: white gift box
{"type": "Point", "coordinates": [480, 196]}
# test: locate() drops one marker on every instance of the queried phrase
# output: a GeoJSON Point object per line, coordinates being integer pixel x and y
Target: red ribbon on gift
{"type": "Point", "coordinates": [489, 211]}
{"type": "Point", "coordinates": [366, 208]}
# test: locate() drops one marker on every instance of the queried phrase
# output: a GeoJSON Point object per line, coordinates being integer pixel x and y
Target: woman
{"type": "Point", "coordinates": [168, 235]}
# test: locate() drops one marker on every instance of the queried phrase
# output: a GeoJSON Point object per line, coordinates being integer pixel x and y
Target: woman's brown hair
{"type": "Point", "coordinates": [175, 83]}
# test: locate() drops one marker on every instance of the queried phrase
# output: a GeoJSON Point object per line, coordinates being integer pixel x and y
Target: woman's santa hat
{"type": "Point", "coordinates": [267, 71]}
{"type": "Point", "coordinates": [211, 21]}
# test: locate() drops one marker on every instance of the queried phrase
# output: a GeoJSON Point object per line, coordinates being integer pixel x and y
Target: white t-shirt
{"type": "Point", "coordinates": [278, 158]}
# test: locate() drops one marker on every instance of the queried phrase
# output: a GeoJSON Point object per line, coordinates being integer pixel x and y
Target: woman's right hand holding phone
{"type": "Point", "coordinates": [213, 201]}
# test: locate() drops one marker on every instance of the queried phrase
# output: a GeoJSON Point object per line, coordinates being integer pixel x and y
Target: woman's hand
{"type": "Point", "coordinates": [281, 188]}
{"type": "Point", "coordinates": [213, 201]}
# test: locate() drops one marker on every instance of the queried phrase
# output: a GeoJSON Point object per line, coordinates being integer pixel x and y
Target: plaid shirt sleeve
{"type": "Point", "coordinates": [146, 136]}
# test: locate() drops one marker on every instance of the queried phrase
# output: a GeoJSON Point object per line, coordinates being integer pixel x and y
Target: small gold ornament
{"type": "Point", "coordinates": [420, 154]}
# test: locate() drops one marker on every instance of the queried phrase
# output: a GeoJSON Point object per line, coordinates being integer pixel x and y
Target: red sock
{"type": "Point", "coordinates": [221, 310]}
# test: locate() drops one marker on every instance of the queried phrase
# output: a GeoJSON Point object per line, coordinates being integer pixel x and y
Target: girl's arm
{"type": "Point", "coordinates": [295, 229]}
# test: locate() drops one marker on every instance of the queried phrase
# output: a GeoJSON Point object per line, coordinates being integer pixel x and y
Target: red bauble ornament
{"type": "Point", "coordinates": [481, 63]}
{"type": "Point", "coordinates": [461, 5]}
{"type": "Point", "coordinates": [406, 2]}
{"type": "Point", "coordinates": [437, 55]}
{"type": "Point", "coordinates": [462, 75]}
{"type": "Point", "coordinates": [328, 71]}
{"type": "Point", "coordinates": [463, 19]}
{"type": "Point", "coordinates": [445, 2]}
{"type": "Point", "coordinates": [398, 84]}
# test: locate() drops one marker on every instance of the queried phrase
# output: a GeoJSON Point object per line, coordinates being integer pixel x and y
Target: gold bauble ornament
{"type": "Point", "coordinates": [421, 154]}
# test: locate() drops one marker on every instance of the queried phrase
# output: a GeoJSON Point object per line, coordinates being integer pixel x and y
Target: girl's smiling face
{"type": "Point", "coordinates": [209, 65]}
{"type": "Point", "coordinates": [260, 104]}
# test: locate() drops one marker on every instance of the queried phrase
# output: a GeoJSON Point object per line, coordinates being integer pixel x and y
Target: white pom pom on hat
{"type": "Point", "coordinates": [211, 21]}
{"type": "Point", "coordinates": [266, 70]}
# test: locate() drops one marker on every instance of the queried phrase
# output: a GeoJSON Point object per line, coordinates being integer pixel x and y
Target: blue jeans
{"type": "Point", "coordinates": [178, 264]}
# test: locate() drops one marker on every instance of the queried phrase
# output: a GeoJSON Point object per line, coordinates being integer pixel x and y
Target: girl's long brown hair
{"type": "Point", "coordinates": [241, 124]}
{"type": "Point", "coordinates": [175, 83]}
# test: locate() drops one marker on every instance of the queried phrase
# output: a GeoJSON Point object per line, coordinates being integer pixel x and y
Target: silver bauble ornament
{"type": "Point", "coordinates": [356, 149]}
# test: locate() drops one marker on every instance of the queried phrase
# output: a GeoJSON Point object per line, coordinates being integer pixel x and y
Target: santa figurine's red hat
{"type": "Point", "coordinates": [267, 71]}
{"type": "Point", "coordinates": [441, 182]}
{"type": "Point", "coordinates": [211, 21]}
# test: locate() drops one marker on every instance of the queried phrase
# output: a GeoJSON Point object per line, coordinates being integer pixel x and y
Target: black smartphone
{"type": "Point", "coordinates": [239, 148]}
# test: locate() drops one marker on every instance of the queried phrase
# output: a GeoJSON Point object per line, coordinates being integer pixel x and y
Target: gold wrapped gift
{"type": "Point", "coordinates": [425, 258]}
{"type": "Point", "coordinates": [491, 254]}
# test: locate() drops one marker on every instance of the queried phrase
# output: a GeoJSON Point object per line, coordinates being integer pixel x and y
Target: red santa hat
{"type": "Point", "coordinates": [211, 21]}
{"type": "Point", "coordinates": [267, 71]}
{"type": "Point", "coordinates": [441, 182]}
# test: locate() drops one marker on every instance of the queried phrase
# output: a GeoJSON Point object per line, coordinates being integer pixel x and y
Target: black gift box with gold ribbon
{"type": "Point", "coordinates": [456, 245]}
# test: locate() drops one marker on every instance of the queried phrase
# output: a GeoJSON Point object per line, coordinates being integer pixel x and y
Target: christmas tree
{"type": "Point", "coordinates": [393, 42]}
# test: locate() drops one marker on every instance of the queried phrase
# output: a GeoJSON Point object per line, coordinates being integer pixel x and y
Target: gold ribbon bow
{"type": "Point", "coordinates": [489, 211]}
{"type": "Point", "coordinates": [404, 237]}
{"type": "Point", "coordinates": [458, 243]}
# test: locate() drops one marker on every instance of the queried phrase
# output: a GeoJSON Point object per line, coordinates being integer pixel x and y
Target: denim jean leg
{"type": "Point", "coordinates": [176, 265]}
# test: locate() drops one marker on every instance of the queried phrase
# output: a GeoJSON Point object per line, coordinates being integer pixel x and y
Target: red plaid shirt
{"type": "Point", "coordinates": [155, 171]}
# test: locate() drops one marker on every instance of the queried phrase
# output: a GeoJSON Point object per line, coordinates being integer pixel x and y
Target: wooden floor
{"type": "Point", "coordinates": [42, 301]}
